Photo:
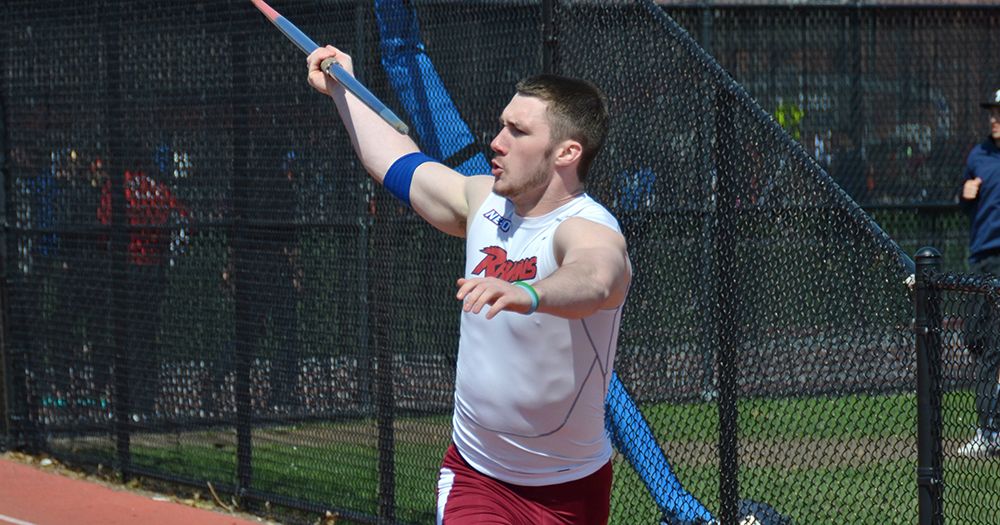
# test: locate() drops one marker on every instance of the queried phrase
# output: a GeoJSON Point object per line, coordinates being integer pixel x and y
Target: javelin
{"type": "Point", "coordinates": [331, 66]}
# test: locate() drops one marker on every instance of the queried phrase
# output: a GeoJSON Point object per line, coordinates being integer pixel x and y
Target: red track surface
{"type": "Point", "coordinates": [30, 496]}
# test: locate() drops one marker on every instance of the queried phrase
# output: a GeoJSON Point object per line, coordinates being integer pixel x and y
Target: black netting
{"type": "Point", "coordinates": [884, 96]}
{"type": "Point", "coordinates": [961, 348]}
{"type": "Point", "coordinates": [203, 285]}
{"type": "Point", "coordinates": [759, 262]}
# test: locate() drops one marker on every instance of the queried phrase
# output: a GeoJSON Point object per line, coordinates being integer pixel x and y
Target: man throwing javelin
{"type": "Point", "coordinates": [546, 276]}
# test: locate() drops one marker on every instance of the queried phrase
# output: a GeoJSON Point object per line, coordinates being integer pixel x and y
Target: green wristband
{"type": "Point", "coordinates": [532, 293]}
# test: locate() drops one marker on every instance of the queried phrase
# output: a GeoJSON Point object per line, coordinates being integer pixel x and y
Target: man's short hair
{"type": "Point", "coordinates": [577, 110]}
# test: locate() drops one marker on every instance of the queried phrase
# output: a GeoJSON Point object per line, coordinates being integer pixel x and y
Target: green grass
{"type": "Point", "coordinates": [835, 460]}
{"type": "Point", "coordinates": [847, 417]}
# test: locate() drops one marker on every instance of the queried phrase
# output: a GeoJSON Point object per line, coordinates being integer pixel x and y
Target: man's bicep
{"type": "Point", "coordinates": [577, 235]}
{"type": "Point", "coordinates": [579, 241]}
{"type": "Point", "coordinates": [440, 195]}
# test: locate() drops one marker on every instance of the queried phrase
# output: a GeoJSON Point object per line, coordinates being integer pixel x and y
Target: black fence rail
{"type": "Point", "coordinates": [200, 284]}
{"type": "Point", "coordinates": [957, 383]}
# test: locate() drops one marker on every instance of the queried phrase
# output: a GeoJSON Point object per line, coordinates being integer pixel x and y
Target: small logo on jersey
{"type": "Point", "coordinates": [496, 218]}
{"type": "Point", "coordinates": [495, 264]}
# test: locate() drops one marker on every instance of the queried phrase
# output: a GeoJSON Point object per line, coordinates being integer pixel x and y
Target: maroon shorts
{"type": "Point", "coordinates": [467, 497]}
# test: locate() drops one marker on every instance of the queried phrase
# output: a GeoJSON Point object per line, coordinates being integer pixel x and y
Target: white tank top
{"type": "Point", "coordinates": [530, 389]}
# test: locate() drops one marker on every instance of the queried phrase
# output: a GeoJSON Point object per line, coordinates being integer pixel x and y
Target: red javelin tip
{"type": "Point", "coordinates": [266, 9]}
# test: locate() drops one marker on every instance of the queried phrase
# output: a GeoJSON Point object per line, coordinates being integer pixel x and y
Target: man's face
{"type": "Point", "coordinates": [524, 159]}
{"type": "Point", "coordinates": [995, 122]}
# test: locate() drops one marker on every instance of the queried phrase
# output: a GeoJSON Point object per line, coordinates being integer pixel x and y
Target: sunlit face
{"type": "Point", "coordinates": [524, 159]}
{"type": "Point", "coordinates": [995, 122]}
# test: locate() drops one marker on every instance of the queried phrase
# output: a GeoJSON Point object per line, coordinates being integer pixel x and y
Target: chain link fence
{"type": "Point", "coordinates": [202, 285]}
{"type": "Point", "coordinates": [957, 384]}
{"type": "Point", "coordinates": [884, 95]}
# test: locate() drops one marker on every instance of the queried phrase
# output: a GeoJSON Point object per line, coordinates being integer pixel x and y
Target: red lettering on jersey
{"type": "Point", "coordinates": [495, 264]}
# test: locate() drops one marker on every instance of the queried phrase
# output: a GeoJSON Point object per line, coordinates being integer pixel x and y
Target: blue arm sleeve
{"type": "Point", "coordinates": [399, 176]}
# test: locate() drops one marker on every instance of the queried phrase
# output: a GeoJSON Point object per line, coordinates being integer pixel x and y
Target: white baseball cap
{"type": "Point", "coordinates": [994, 102]}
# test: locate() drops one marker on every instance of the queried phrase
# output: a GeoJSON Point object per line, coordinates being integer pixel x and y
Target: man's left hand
{"type": "Point", "coordinates": [479, 292]}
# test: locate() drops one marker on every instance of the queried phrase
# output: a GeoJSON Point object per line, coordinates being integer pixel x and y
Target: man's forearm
{"type": "Point", "coordinates": [576, 291]}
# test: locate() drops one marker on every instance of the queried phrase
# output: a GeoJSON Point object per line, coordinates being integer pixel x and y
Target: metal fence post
{"type": "Point", "coordinates": [706, 34]}
{"type": "Point", "coordinates": [6, 372]}
{"type": "Point", "coordinates": [117, 239]}
{"type": "Point", "coordinates": [548, 35]}
{"type": "Point", "coordinates": [242, 244]}
{"type": "Point", "coordinates": [927, 331]}
{"type": "Point", "coordinates": [727, 309]}
{"type": "Point", "coordinates": [382, 345]}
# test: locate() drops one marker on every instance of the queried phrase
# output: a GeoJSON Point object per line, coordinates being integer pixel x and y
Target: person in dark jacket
{"type": "Point", "coordinates": [981, 200]}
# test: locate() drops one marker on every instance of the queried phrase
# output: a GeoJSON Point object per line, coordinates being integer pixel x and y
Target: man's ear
{"type": "Point", "coordinates": [568, 152]}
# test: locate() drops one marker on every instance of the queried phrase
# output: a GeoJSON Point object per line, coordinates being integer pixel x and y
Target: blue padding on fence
{"type": "Point", "coordinates": [634, 439]}
{"type": "Point", "coordinates": [420, 90]}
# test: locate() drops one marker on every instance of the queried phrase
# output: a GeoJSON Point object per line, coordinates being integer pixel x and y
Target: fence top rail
{"type": "Point", "coordinates": [824, 5]}
{"type": "Point", "coordinates": [963, 283]}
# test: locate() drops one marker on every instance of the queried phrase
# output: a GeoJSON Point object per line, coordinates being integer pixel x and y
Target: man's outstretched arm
{"type": "Point", "coordinates": [439, 194]}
